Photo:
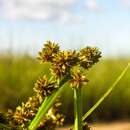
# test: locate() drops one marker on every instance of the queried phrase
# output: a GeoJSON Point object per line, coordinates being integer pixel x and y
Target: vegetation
{"type": "Point", "coordinates": [40, 111]}
{"type": "Point", "coordinates": [98, 74]}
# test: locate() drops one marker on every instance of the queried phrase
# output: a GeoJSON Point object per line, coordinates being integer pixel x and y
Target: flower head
{"type": "Point", "coordinates": [48, 52]}
{"type": "Point", "coordinates": [89, 56]}
{"type": "Point", "coordinates": [78, 79]}
{"type": "Point", "coordinates": [24, 113]}
{"type": "Point", "coordinates": [63, 61]}
{"type": "Point", "coordinates": [43, 87]}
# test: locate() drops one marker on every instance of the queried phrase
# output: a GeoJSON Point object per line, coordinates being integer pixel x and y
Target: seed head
{"type": "Point", "coordinates": [43, 87]}
{"type": "Point", "coordinates": [48, 52]}
{"type": "Point", "coordinates": [89, 56]}
{"type": "Point", "coordinates": [24, 113]}
{"type": "Point", "coordinates": [78, 79]}
{"type": "Point", "coordinates": [63, 61]}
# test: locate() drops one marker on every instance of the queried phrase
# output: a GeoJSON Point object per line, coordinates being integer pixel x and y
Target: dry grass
{"type": "Point", "coordinates": [108, 126]}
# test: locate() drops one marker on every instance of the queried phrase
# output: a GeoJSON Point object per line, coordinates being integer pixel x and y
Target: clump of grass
{"type": "Point", "coordinates": [42, 110]}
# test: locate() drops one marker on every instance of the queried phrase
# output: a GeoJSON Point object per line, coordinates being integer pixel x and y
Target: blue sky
{"type": "Point", "coordinates": [25, 25]}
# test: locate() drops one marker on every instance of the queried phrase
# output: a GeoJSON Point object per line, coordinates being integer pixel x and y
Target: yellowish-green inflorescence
{"type": "Point", "coordinates": [44, 87]}
{"type": "Point", "coordinates": [69, 63]}
{"type": "Point", "coordinates": [64, 61]}
{"type": "Point", "coordinates": [89, 56]}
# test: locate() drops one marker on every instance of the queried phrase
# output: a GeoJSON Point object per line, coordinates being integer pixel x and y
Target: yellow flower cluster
{"type": "Point", "coordinates": [26, 112]}
{"type": "Point", "coordinates": [78, 79]}
{"type": "Point", "coordinates": [89, 56]}
{"type": "Point", "coordinates": [43, 87]}
{"type": "Point", "coordinates": [48, 52]}
{"type": "Point", "coordinates": [62, 68]}
{"type": "Point", "coordinates": [63, 61]}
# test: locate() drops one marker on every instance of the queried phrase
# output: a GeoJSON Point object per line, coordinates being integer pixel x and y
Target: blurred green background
{"type": "Point", "coordinates": [19, 73]}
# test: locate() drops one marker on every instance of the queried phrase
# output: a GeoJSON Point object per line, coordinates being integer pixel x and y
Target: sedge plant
{"type": "Point", "coordinates": [41, 111]}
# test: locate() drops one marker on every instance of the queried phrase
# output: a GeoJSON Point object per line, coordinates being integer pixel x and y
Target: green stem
{"type": "Point", "coordinates": [106, 93]}
{"type": "Point", "coordinates": [77, 109]}
{"type": "Point", "coordinates": [48, 102]}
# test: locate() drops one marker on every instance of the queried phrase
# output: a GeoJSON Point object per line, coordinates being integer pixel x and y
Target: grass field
{"type": "Point", "coordinates": [19, 73]}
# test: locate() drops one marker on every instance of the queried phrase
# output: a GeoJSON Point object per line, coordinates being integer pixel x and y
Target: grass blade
{"type": "Point", "coordinates": [107, 93]}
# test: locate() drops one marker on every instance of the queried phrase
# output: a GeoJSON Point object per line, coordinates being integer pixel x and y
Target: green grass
{"type": "Point", "coordinates": [18, 74]}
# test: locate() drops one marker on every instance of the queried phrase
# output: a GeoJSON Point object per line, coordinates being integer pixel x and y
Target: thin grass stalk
{"type": "Point", "coordinates": [107, 93]}
{"type": "Point", "coordinates": [77, 109]}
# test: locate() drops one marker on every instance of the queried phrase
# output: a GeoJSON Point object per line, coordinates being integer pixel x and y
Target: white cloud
{"type": "Point", "coordinates": [126, 3]}
{"type": "Point", "coordinates": [38, 9]}
{"type": "Point", "coordinates": [93, 5]}
{"type": "Point", "coordinates": [66, 17]}
{"type": "Point", "coordinates": [49, 2]}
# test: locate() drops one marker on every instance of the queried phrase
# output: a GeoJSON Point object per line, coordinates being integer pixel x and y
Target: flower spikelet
{"type": "Point", "coordinates": [89, 56]}
{"type": "Point", "coordinates": [48, 52]}
{"type": "Point", "coordinates": [24, 113]}
{"type": "Point", "coordinates": [78, 79]}
{"type": "Point", "coordinates": [33, 103]}
{"type": "Point", "coordinates": [63, 61]}
{"type": "Point", "coordinates": [54, 114]}
{"type": "Point", "coordinates": [53, 118]}
{"type": "Point", "coordinates": [43, 87]}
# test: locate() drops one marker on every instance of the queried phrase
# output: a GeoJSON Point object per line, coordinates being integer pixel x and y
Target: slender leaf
{"type": "Point", "coordinates": [106, 93]}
